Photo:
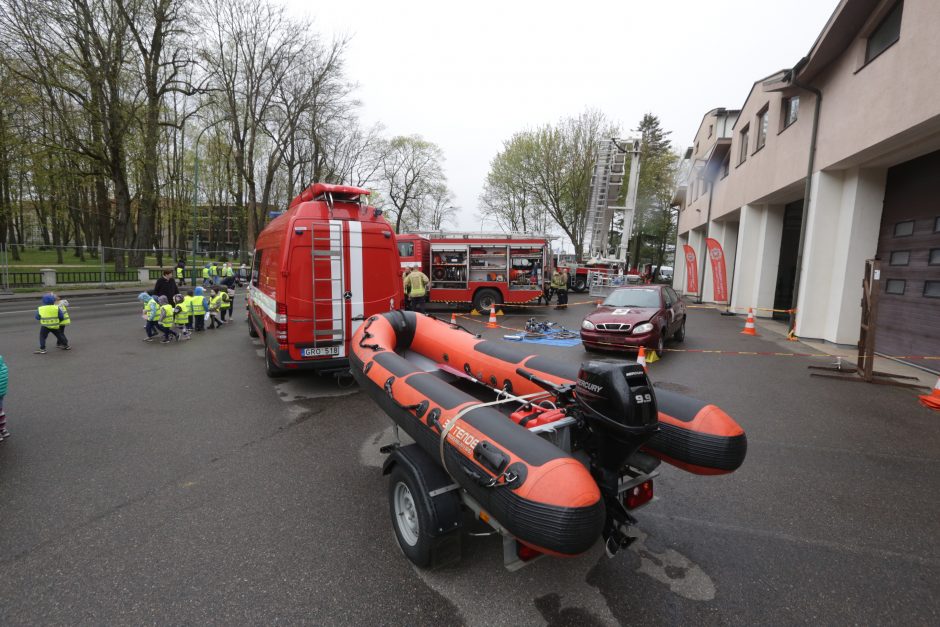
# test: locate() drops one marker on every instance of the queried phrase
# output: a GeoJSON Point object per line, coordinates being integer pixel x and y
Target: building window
{"type": "Point", "coordinates": [936, 224]}
{"type": "Point", "coordinates": [934, 259]}
{"type": "Point", "coordinates": [900, 258]}
{"type": "Point", "coordinates": [762, 120]}
{"type": "Point", "coordinates": [885, 34]}
{"type": "Point", "coordinates": [903, 229]}
{"type": "Point", "coordinates": [895, 286]}
{"type": "Point", "coordinates": [932, 289]}
{"type": "Point", "coordinates": [791, 110]}
{"type": "Point", "coordinates": [742, 155]}
{"type": "Point", "coordinates": [711, 128]}
{"type": "Point", "coordinates": [725, 165]}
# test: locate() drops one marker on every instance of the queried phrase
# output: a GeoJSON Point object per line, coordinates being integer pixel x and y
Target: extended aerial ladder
{"type": "Point", "coordinates": [606, 184]}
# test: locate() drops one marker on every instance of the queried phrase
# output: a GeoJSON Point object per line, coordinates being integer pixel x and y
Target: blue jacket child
{"type": "Point", "coordinates": [50, 318]}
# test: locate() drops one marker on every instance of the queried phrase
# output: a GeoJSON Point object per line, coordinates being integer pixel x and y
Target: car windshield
{"type": "Point", "coordinates": [634, 298]}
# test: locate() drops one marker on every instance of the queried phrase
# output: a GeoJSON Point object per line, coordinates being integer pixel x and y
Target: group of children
{"type": "Point", "coordinates": [187, 313]}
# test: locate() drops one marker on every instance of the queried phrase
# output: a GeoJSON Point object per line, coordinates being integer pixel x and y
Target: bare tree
{"type": "Point", "coordinates": [410, 169]}
{"type": "Point", "coordinates": [160, 41]}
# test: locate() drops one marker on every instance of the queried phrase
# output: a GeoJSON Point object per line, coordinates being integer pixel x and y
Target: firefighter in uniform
{"type": "Point", "coordinates": [50, 320]}
{"type": "Point", "coordinates": [416, 287]}
{"type": "Point", "coordinates": [560, 287]}
{"type": "Point", "coordinates": [404, 284]}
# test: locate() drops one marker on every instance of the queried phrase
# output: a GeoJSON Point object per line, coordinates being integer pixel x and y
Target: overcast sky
{"type": "Point", "coordinates": [467, 75]}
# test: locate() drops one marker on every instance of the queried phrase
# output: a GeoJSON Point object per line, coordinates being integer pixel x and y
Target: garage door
{"type": "Point", "coordinates": [909, 250]}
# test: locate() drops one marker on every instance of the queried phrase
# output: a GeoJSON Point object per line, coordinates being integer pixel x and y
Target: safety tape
{"type": "Point", "coordinates": [741, 309]}
{"type": "Point", "coordinates": [728, 352]}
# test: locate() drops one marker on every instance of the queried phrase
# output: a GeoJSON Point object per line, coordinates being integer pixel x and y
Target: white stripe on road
{"type": "Point", "coordinates": [71, 308]}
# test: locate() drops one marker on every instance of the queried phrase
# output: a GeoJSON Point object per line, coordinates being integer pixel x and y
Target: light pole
{"type": "Point", "coordinates": [196, 193]}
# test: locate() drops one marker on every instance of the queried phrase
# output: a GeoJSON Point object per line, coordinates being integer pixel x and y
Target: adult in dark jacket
{"type": "Point", "coordinates": [166, 286]}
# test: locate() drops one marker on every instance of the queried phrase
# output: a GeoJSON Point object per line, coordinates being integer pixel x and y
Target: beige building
{"type": "Point", "coordinates": [861, 114]}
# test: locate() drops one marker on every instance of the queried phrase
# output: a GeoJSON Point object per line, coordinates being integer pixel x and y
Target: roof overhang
{"type": "Point", "coordinates": [844, 25]}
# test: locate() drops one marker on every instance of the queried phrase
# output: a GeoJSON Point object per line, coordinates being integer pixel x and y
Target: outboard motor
{"type": "Point", "coordinates": [618, 405]}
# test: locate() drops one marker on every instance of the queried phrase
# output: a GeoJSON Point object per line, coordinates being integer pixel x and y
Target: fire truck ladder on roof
{"type": "Point", "coordinates": [329, 310]}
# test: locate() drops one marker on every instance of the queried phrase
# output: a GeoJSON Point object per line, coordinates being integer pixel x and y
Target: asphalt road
{"type": "Point", "coordinates": [177, 484]}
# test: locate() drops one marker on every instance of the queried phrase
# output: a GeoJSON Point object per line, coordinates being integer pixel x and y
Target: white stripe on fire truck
{"type": "Point", "coordinates": [355, 275]}
{"type": "Point", "coordinates": [265, 303]}
{"type": "Point", "coordinates": [336, 272]}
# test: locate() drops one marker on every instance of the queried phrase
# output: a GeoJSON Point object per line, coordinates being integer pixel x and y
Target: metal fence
{"type": "Point", "coordinates": [22, 279]}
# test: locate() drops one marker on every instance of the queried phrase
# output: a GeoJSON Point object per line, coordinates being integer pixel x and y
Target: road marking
{"type": "Point", "coordinates": [71, 308]}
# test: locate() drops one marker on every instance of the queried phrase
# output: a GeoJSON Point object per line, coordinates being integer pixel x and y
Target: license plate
{"type": "Point", "coordinates": [320, 351]}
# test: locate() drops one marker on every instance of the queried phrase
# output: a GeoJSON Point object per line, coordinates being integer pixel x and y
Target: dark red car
{"type": "Point", "coordinates": [641, 315]}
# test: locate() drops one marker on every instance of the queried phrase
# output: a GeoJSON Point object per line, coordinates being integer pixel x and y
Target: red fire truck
{"type": "Point", "coordinates": [579, 274]}
{"type": "Point", "coordinates": [308, 291]}
{"type": "Point", "coordinates": [482, 269]}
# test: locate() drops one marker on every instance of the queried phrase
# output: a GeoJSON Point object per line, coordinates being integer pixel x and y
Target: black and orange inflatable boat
{"type": "Point", "coordinates": [490, 415]}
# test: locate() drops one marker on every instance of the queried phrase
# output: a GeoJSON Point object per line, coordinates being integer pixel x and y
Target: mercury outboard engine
{"type": "Point", "coordinates": [618, 405]}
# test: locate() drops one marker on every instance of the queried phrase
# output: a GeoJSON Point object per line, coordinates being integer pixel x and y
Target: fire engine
{"type": "Point", "coordinates": [482, 269]}
{"type": "Point", "coordinates": [307, 293]}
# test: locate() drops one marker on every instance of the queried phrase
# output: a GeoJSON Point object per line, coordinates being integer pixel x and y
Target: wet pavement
{"type": "Point", "coordinates": [149, 483]}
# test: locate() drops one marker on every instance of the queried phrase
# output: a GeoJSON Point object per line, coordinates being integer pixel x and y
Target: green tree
{"type": "Point", "coordinates": [654, 226]}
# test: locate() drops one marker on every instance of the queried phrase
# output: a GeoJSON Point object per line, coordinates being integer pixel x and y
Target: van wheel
{"type": "Point", "coordinates": [270, 366]}
{"type": "Point", "coordinates": [251, 328]}
{"type": "Point", "coordinates": [484, 300]}
{"type": "Point", "coordinates": [411, 516]}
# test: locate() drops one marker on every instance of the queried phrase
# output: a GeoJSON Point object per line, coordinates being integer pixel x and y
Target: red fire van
{"type": "Point", "coordinates": [320, 269]}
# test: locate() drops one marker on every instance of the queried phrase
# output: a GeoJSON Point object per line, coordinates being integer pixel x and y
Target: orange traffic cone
{"type": "Point", "coordinates": [641, 358]}
{"type": "Point", "coordinates": [749, 328]}
{"type": "Point", "coordinates": [932, 400]}
{"type": "Point", "coordinates": [453, 318]}
{"type": "Point", "coordinates": [492, 324]}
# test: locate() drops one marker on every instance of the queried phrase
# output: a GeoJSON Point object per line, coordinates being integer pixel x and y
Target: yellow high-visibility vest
{"type": "Point", "coordinates": [49, 316]}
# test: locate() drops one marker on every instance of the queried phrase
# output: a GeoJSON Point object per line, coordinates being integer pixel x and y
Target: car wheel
{"type": "Point", "coordinates": [661, 344]}
{"type": "Point", "coordinates": [484, 300]}
{"type": "Point", "coordinates": [679, 335]}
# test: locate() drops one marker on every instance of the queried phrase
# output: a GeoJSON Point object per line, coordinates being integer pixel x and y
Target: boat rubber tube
{"type": "Point", "coordinates": [540, 494]}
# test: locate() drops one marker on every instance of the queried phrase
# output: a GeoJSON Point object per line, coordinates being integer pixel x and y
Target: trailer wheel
{"type": "Point", "coordinates": [412, 516]}
{"type": "Point", "coordinates": [484, 300]}
{"type": "Point", "coordinates": [579, 285]}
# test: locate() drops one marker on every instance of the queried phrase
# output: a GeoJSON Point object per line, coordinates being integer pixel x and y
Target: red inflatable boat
{"type": "Point", "coordinates": [550, 454]}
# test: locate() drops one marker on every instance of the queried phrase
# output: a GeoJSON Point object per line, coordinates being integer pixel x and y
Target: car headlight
{"type": "Point", "coordinates": [646, 327]}
{"type": "Point", "coordinates": [587, 325]}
